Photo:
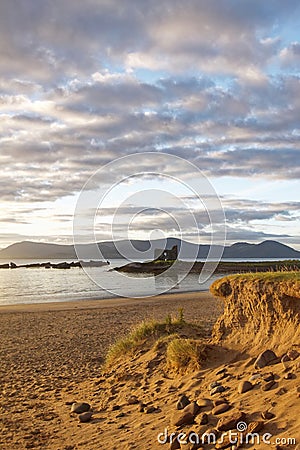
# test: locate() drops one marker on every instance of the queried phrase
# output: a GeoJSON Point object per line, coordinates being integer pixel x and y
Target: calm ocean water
{"type": "Point", "coordinates": [39, 285]}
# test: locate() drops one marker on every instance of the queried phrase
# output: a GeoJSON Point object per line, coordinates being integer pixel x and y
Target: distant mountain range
{"type": "Point", "coordinates": [242, 250]}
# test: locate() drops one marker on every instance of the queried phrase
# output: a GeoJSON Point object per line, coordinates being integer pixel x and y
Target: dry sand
{"type": "Point", "coordinates": [52, 353]}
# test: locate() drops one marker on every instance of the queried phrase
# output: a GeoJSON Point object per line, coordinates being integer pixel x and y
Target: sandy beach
{"type": "Point", "coordinates": [50, 351]}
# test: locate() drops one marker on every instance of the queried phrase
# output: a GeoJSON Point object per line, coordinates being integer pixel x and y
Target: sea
{"type": "Point", "coordinates": [40, 285]}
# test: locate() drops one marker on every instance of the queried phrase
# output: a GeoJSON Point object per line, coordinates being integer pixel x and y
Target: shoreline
{"type": "Point", "coordinates": [54, 353]}
{"type": "Point", "coordinates": [85, 304]}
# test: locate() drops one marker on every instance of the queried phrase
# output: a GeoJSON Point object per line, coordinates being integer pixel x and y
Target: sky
{"type": "Point", "coordinates": [214, 82]}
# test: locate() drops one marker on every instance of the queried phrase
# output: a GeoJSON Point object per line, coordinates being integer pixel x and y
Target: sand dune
{"type": "Point", "coordinates": [244, 372]}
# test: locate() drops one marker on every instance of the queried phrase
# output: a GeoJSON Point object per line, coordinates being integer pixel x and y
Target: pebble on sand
{"type": "Point", "coordinates": [85, 417]}
{"type": "Point", "coordinates": [79, 408]}
{"type": "Point", "coordinates": [264, 359]}
{"type": "Point", "coordinates": [244, 386]}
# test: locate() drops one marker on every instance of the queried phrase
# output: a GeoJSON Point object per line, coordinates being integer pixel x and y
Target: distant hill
{"type": "Point", "coordinates": [242, 250]}
{"type": "Point", "coordinates": [266, 249]}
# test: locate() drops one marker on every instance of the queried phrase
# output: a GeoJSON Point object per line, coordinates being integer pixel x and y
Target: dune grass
{"type": "Point", "coordinates": [282, 275]}
{"type": "Point", "coordinates": [185, 354]}
{"type": "Point", "coordinates": [146, 331]}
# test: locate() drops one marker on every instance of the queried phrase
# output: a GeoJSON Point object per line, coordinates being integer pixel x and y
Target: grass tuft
{"type": "Point", "coordinates": [147, 330]}
{"type": "Point", "coordinates": [184, 354]}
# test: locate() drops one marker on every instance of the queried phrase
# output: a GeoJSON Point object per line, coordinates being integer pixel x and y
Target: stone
{"type": "Point", "coordinates": [79, 408]}
{"type": "Point", "coordinates": [214, 384]}
{"type": "Point", "coordinates": [194, 442]}
{"type": "Point", "coordinates": [175, 445]}
{"type": "Point", "coordinates": [267, 415]}
{"type": "Point", "coordinates": [222, 375]}
{"type": "Point", "coordinates": [85, 417]}
{"type": "Point", "coordinates": [264, 359]}
{"type": "Point", "coordinates": [267, 386]}
{"type": "Point", "coordinates": [183, 402]}
{"type": "Point", "coordinates": [217, 390]}
{"type": "Point", "coordinates": [219, 401]}
{"type": "Point", "coordinates": [220, 409]}
{"type": "Point", "coordinates": [286, 361]}
{"type": "Point", "coordinates": [193, 408]}
{"type": "Point", "coordinates": [244, 386]}
{"type": "Point", "coordinates": [289, 376]}
{"type": "Point", "coordinates": [255, 377]}
{"type": "Point", "coordinates": [115, 407]}
{"type": "Point", "coordinates": [203, 419]}
{"type": "Point", "coordinates": [230, 421]}
{"type": "Point", "coordinates": [150, 409]}
{"type": "Point", "coordinates": [293, 354]}
{"type": "Point", "coordinates": [281, 391]}
{"type": "Point", "coordinates": [254, 427]}
{"type": "Point", "coordinates": [224, 442]}
{"type": "Point", "coordinates": [204, 402]}
{"type": "Point", "coordinates": [132, 400]}
{"type": "Point", "coordinates": [209, 436]}
{"type": "Point", "coordinates": [182, 418]}
{"type": "Point", "coordinates": [220, 371]}
{"type": "Point", "coordinates": [268, 376]}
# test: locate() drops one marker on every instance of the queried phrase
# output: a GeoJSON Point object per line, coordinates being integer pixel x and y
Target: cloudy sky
{"type": "Point", "coordinates": [216, 82]}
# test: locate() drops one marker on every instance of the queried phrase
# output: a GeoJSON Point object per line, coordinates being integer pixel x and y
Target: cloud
{"type": "Point", "coordinates": [290, 56]}
{"type": "Point", "coordinates": [84, 83]}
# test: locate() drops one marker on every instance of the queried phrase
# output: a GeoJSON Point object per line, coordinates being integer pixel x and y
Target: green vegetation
{"type": "Point", "coordinates": [266, 276]}
{"type": "Point", "coordinates": [173, 338]}
{"type": "Point", "coordinates": [223, 287]}
{"type": "Point", "coordinates": [183, 354]}
{"type": "Point", "coordinates": [145, 331]}
{"type": "Point", "coordinates": [224, 267]}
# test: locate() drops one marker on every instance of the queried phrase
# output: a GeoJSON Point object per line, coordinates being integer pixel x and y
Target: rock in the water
{"type": "Point", "coordinates": [229, 421]}
{"type": "Point", "coordinates": [182, 418]}
{"type": "Point", "coordinates": [244, 386]}
{"type": "Point", "coordinates": [183, 402]}
{"type": "Point", "coordinates": [203, 419]}
{"type": "Point", "coordinates": [264, 359]}
{"type": "Point", "coordinates": [85, 417]}
{"type": "Point", "coordinates": [217, 390]}
{"type": "Point", "coordinates": [193, 408]}
{"type": "Point", "coordinates": [267, 386]}
{"type": "Point", "coordinates": [220, 409]}
{"type": "Point", "coordinates": [79, 408]}
{"type": "Point", "coordinates": [267, 415]}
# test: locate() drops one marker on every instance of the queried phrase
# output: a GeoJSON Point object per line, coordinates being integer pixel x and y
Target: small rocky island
{"type": "Point", "coordinates": [158, 266]}
{"type": "Point", "coordinates": [60, 265]}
